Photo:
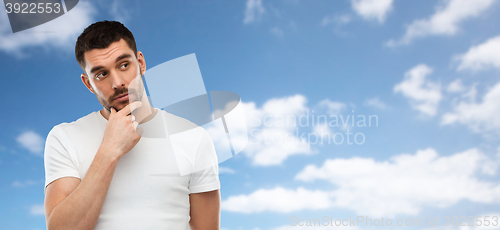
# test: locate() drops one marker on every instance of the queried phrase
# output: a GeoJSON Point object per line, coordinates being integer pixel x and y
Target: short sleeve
{"type": "Point", "coordinates": [206, 179]}
{"type": "Point", "coordinates": [57, 160]}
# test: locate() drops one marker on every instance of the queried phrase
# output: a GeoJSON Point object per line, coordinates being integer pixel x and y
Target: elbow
{"type": "Point", "coordinates": [54, 224]}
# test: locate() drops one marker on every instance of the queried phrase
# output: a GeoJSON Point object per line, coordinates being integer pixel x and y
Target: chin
{"type": "Point", "coordinates": [119, 105]}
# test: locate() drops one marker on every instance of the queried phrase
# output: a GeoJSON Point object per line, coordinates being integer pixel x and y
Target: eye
{"type": "Point", "coordinates": [124, 65]}
{"type": "Point", "coordinates": [100, 75]}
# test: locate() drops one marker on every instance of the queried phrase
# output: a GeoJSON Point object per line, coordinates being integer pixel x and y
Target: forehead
{"type": "Point", "coordinates": [106, 56]}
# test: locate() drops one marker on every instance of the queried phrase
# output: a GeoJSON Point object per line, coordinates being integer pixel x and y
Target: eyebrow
{"type": "Point", "coordinates": [123, 56]}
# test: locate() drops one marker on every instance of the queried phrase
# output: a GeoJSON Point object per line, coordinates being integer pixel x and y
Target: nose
{"type": "Point", "coordinates": [118, 81]}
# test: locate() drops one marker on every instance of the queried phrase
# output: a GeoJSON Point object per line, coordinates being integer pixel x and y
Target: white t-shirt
{"type": "Point", "coordinates": [147, 190]}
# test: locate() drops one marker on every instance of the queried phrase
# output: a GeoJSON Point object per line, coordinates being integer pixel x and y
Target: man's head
{"type": "Point", "coordinates": [107, 53]}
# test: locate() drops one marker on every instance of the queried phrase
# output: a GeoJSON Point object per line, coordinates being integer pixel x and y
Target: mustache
{"type": "Point", "coordinates": [121, 91]}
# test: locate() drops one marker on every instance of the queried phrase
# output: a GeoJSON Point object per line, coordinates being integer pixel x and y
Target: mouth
{"type": "Point", "coordinates": [122, 97]}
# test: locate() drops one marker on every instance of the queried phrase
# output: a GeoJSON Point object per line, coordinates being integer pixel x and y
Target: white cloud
{"type": "Point", "coordinates": [284, 127]}
{"type": "Point", "coordinates": [279, 200]}
{"type": "Point", "coordinates": [470, 95]}
{"type": "Point", "coordinates": [322, 131]}
{"type": "Point", "coordinates": [31, 141]}
{"type": "Point", "coordinates": [59, 33]}
{"type": "Point", "coordinates": [21, 184]}
{"type": "Point", "coordinates": [455, 86]}
{"type": "Point", "coordinates": [402, 185]}
{"type": "Point", "coordinates": [406, 183]}
{"type": "Point", "coordinates": [226, 170]}
{"type": "Point", "coordinates": [286, 105]}
{"type": "Point", "coordinates": [37, 210]}
{"type": "Point", "coordinates": [445, 21]}
{"type": "Point", "coordinates": [372, 9]}
{"type": "Point", "coordinates": [481, 57]}
{"type": "Point", "coordinates": [479, 116]}
{"type": "Point", "coordinates": [253, 11]}
{"type": "Point", "coordinates": [424, 95]}
{"type": "Point", "coordinates": [120, 11]}
{"type": "Point", "coordinates": [333, 107]}
{"type": "Point", "coordinates": [376, 103]}
{"type": "Point", "coordinates": [271, 130]}
{"type": "Point", "coordinates": [274, 145]}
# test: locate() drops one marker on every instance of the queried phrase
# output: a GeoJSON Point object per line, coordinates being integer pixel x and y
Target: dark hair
{"type": "Point", "coordinates": [99, 36]}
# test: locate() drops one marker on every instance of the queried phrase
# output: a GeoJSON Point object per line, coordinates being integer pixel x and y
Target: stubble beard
{"type": "Point", "coordinates": [106, 103]}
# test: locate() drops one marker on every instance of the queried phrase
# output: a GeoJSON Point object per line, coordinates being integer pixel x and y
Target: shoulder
{"type": "Point", "coordinates": [77, 126]}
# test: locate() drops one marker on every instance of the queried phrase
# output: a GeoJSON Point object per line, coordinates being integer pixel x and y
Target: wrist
{"type": "Point", "coordinates": [109, 154]}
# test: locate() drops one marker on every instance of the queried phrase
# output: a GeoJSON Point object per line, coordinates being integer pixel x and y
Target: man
{"type": "Point", "coordinates": [100, 172]}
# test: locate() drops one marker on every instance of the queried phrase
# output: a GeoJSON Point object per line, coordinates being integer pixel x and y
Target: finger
{"type": "Point", "coordinates": [112, 111]}
{"type": "Point", "coordinates": [135, 124]}
{"type": "Point", "coordinates": [135, 105]}
{"type": "Point", "coordinates": [132, 117]}
{"type": "Point", "coordinates": [130, 107]}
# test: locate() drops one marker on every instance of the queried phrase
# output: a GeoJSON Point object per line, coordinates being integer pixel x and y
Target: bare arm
{"type": "Point", "coordinates": [205, 210]}
{"type": "Point", "coordinates": [71, 204]}
{"type": "Point", "coordinates": [74, 204]}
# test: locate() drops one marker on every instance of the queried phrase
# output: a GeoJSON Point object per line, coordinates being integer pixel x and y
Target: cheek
{"type": "Point", "coordinates": [99, 89]}
{"type": "Point", "coordinates": [99, 93]}
{"type": "Point", "coordinates": [135, 82]}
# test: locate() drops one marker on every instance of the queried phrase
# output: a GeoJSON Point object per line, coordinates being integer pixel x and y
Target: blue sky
{"type": "Point", "coordinates": [427, 69]}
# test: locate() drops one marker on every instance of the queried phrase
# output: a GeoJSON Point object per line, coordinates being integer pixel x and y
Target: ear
{"type": "Point", "coordinates": [86, 82]}
{"type": "Point", "coordinates": [142, 62]}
